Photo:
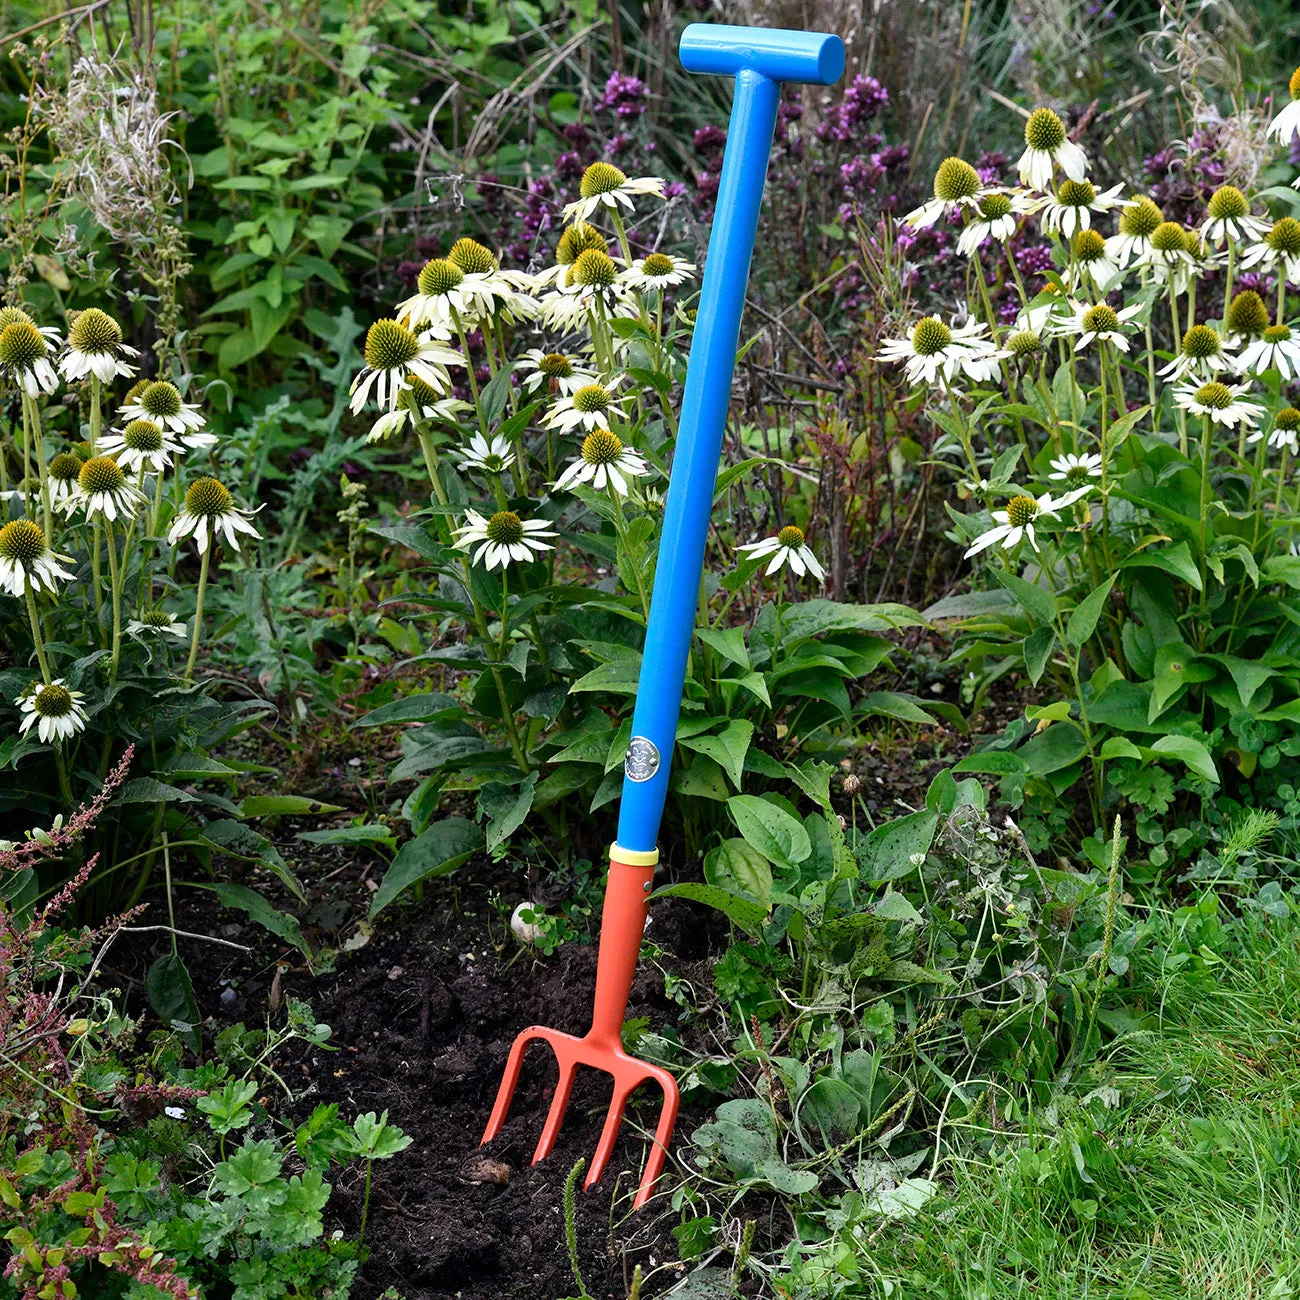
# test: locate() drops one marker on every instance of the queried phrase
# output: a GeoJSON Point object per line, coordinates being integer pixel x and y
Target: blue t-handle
{"type": "Point", "coordinates": [760, 60]}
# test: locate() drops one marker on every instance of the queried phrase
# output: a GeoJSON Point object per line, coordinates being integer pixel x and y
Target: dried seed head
{"type": "Point", "coordinates": [1021, 510]}
{"type": "Point", "coordinates": [1247, 314]}
{"type": "Point", "coordinates": [601, 447]}
{"type": "Point", "coordinates": [101, 474]}
{"type": "Point", "coordinates": [505, 528]}
{"type": "Point", "coordinates": [472, 257]}
{"type": "Point", "coordinates": [22, 541]}
{"type": "Point", "coordinates": [1285, 237]}
{"type": "Point", "coordinates": [790, 536]}
{"type": "Point", "coordinates": [1076, 194]}
{"type": "Point", "coordinates": [1169, 237]}
{"type": "Point", "coordinates": [1140, 218]}
{"type": "Point", "coordinates": [390, 344]}
{"type": "Point", "coordinates": [94, 331]}
{"type": "Point", "coordinates": [208, 496]}
{"type": "Point", "coordinates": [1044, 130]}
{"type": "Point", "coordinates": [1101, 319]}
{"type": "Point", "coordinates": [930, 336]}
{"type": "Point", "coordinates": [600, 178]}
{"type": "Point", "coordinates": [161, 400]}
{"type": "Point", "coordinates": [1202, 342]}
{"type": "Point", "coordinates": [851, 785]}
{"type": "Point", "coordinates": [438, 276]}
{"type": "Point", "coordinates": [143, 435]}
{"type": "Point", "coordinates": [955, 179]}
{"type": "Point", "coordinates": [577, 239]}
{"type": "Point", "coordinates": [1228, 202]}
{"type": "Point", "coordinates": [593, 267]}
{"type": "Point", "coordinates": [21, 344]}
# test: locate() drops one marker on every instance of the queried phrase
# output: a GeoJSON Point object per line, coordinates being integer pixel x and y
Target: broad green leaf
{"type": "Point", "coordinates": [257, 909]}
{"type": "Point", "coordinates": [1190, 751]}
{"type": "Point", "coordinates": [1083, 622]}
{"type": "Point", "coordinates": [728, 642]}
{"type": "Point", "coordinates": [892, 704]}
{"type": "Point", "coordinates": [1176, 560]}
{"type": "Point", "coordinates": [740, 868]}
{"type": "Point", "coordinates": [438, 851]}
{"type": "Point", "coordinates": [171, 995]}
{"type": "Point", "coordinates": [738, 908]}
{"type": "Point", "coordinates": [1037, 649]}
{"type": "Point", "coordinates": [505, 808]}
{"type": "Point", "coordinates": [1036, 601]}
{"type": "Point", "coordinates": [428, 707]}
{"type": "Point", "coordinates": [727, 748]}
{"type": "Point", "coordinates": [778, 836]}
{"type": "Point", "coordinates": [891, 851]}
{"type": "Point", "coordinates": [284, 805]}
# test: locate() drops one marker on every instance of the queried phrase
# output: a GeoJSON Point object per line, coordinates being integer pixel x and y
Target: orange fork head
{"type": "Point", "coordinates": [601, 1048]}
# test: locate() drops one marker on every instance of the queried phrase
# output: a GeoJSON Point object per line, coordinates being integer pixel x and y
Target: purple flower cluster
{"type": "Point", "coordinates": [625, 94]}
{"type": "Point", "coordinates": [1181, 181]}
{"type": "Point", "coordinates": [863, 99]}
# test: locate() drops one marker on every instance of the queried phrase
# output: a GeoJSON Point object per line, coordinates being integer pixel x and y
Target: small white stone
{"type": "Point", "coordinates": [176, 1112]}
{"type": "Point", "coordinates": [525, 931]}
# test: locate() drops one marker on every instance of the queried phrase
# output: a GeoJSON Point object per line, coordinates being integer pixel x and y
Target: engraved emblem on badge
{"type": "Point", "coordinates": [642, 760]}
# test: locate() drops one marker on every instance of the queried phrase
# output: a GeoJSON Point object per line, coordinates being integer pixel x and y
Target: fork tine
{"type": "Point", "coordinates": [609, 1134]}
{"type": "Point", "coordinates": [514, 1063]}
{"type": "Point", "coordinates": [654, 1164]}
{"type": "Point", "coordinates": [559, 1104]}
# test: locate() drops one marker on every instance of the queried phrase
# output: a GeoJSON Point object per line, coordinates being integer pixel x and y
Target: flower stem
{"type": "Point", "coordinates": [37, 640]}
{"type": "Point", "coordinates": [115, 578]}
{"type": "Point", "coordinates": [198, 612]}
{"type": "Point", "coordinates": [38, 446]}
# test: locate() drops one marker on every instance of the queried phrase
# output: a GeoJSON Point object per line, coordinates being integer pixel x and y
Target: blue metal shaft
{"type": "Point", "coordinates": [760, 59]}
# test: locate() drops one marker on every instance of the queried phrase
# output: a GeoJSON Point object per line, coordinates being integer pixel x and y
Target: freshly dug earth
{"type": "Point", "coordinates": [423, 1018]}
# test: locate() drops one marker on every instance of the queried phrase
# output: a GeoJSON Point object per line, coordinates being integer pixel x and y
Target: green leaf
{"type": "Point", "coordinates": [778, 836]}
{"type": "Point", "coordinates": [429, 707]}
{"type": "Point", "coordinates": [1037, 649]}
{"type": "Point", "coordinates": [505, 808]}
{"type": "Point", "coordinates": [370, 833]}
{"type": "Point", "coordinates": [278, 923]}
{"type": "Point", "coordinates": [171, 995]}
{"type": "Point", "coordinates": [376, 1139]}
{"type": "Point", "coordinates": [438, 851]}
{"type": "Point", "coordinates": [727, 748]}
{"type": "Point", "coordinates": [738, 908]}
{"type": "Point", "coordinates": [739, 867]}
{"type": "Point", "coordinates": [727, 642]}
{"type": "Point", "coordinates": [891, 704]}
{"type": "Point", "coordinates": [1083, 622]}
{"type": "Point", "coordinates": [1191, 752]}
{"type": "Point", "coordinates": [1176, 560]}
{"type": "Point", "coordinates": [1036, 601]}
{"type": "Point", "coordinates": [284, 805]}
{"type": "Point", "coordinates": [619, 678]}
{"type": "Point", "coordinates": [888, 853]}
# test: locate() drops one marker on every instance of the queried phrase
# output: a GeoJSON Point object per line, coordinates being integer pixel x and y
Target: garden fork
{"type": "Point", "coordinates": [760, 60]}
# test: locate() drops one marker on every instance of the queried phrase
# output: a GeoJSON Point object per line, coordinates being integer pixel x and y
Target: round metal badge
{"type": "Point", "coordinates": [642, 760]}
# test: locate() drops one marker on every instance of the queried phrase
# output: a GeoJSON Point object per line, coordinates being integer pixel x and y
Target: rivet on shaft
{"type": "Point", "coordinates": [646, 887]}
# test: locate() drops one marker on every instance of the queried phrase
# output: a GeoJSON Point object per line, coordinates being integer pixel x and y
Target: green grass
{"type": "Point", "coordinates": [1186, 1184]}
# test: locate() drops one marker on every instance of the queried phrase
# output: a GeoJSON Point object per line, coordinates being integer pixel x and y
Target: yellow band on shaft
{"type": "Point", "coordinates": [634, 857]}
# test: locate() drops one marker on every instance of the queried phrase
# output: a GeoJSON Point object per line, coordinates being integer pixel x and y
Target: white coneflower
{"type": "Point", "coordinates": [1286, 433]}
{"type": "Point", "coordinates": [1138, 220]}
{"type": "Point", "coordinates": [1201, 354]}
{"type": "Point", "coordinates": [488, 457]}
{"type": "Point", "coordinates": [63, 473]}
{"type": "Point", "coordinates": [157, 622]}
{"type": "Point", "coordinates": [1018, 520]}
{"type": "Point", "coordinates": [604, 186]}
{"type": "Point", "coordinates": [493, 290]}
{"type": "Point", "coordinates": [16, 316]}
{"type": "Point", "coordinates": [1097, 321]}
{"type": "Point", "coordinates": [26, 561]}
{"type": "Point", "coordinates": [603, 462]}
{"type": "Point", "coordinates": [1227, 217]}
{"type": "Point", "coordinates": [55, 711]}
{"type": "Point", "coordinates": [588, 408]}
{"type": "Point", "coordinates": [786, 547]}
{"type": "Point", "coordinates": [657, 272]}
{"type": "Point", "coordinates": [161, 402]}
{"type": "Point", "coordinates": [1046, 145]}
{"type": "Point", "coordinates": [1166, 256]}
{"type": "Point", "coordinates": [1070, 209]}
{"type": "Point", "coordinates": [575, 241]}
{"type": "Point", "coordinates": [395, 356]}
{"type": "Point", "coordinates": [1221, 402]}
{"type": "Point", "coordinates": [1287, 121]}
{"type": "Point", "coordinates": [995, 218]}
{"type": "Point", "coordinates": [25, 358]}
{"type": "Point", "coordinates": [142, 446]}
{"type": "Point", "coordinates": [1088, 258]}
{"type": "Point", "coordinates": [553, 371]}
{"type": "Point", "coordinates": [1278, 349]}
{"type": "Point", "coordinates": [935, 348]}
{"type": "Point", "coordinates": [104, 492]}
{"type": "Point", "coordinates": [503, 538]}
{"type": "Point", "coordinates": [1074, 470]}
{"type": "Point", "coordinates": [957, 187]}
{"type": "Point", "coordinates": [95, 347]}
{"type": "Point", "coordinates": [421, 402]}
{"type": "Point", "coordinates": [1278, 250]}
{"type": "Point", "coordinates": [1247, 319]}
{"type": "Point", "coordinates": [439, 303]}
{"type": "Point", "coordinates": [210, 512]}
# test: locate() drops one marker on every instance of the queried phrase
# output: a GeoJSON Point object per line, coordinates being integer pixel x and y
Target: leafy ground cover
{"type": "Point", "coordinates": [340, 376]}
